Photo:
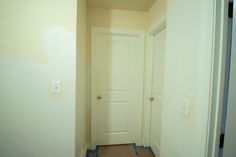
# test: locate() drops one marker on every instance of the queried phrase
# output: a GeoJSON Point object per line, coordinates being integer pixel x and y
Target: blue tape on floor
{"type": "Point", "coordinates": [135, 149]}
{"type": "Point", "coordinates": [89, 152]}
{"type": "Point", "coordinates": [97, 151]}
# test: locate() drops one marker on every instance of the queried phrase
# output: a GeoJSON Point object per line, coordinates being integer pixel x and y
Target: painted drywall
{"type": "Point", "coordinates": [111, 18]}
{"type": "Point", "coordinates": [136, 5]}
{"type": "Point", "coordinates": [37, 45]}
{"type": "Point", "coordinates": [81, 86]}
{"type": "Point", "coordinates": [157, 10]}
{"type": "Point", "coordinates": [117, 18]}
{"type": "Point", "coordinates": [187, 74]}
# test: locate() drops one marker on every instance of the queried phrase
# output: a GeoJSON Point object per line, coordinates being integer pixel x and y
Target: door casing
{"type": "Point", "coordinates": [219, 22]}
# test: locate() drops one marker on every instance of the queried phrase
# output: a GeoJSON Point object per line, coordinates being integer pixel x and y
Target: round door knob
{"type": "Point", "coordinates": [99, 97]}
{"type": "Point", "coordinates": [151, 98]}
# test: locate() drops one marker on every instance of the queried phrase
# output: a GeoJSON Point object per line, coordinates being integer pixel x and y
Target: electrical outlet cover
{"type": "Point", "coordinates": [56, 87]}
{"type": "Point", "coordinates": [185, 107]}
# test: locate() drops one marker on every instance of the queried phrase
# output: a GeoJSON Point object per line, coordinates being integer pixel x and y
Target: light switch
{"type": "Point", "coordinates": [56, 87]}
{"type": "Point", "coordinates": [184, 107]}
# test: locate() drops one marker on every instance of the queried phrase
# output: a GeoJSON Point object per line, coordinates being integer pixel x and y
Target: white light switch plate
{"type": "Point", "coordinates": [184, 107]}
{"type": "Point", "coordinates": [56, 87]}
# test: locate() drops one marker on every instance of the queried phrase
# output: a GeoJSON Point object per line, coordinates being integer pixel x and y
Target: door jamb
{"type": "Point", "coordinates": [219, 46]}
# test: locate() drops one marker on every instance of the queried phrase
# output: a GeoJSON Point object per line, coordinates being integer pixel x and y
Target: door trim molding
{"type": "Point", "coordinates": [84, 150]}
{"type": "Point", "coordinates": [219, 47]}
{"type": "Point", "coordinates": [124, 32]}
{"type": "Point", "coordinates": [158, 26]}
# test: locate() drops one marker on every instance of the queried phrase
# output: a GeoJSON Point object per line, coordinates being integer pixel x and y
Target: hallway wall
{"type": "Point", "coordinates": [37, 45]}
{"type": "Point", "coordinates": [81, 78]}
{"type": "Point", "coordinates": [157, 10]}
{"type": "Point", "coordinates": [187, 74]}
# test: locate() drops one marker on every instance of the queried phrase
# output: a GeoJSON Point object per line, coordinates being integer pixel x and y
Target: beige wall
{"type": "Point", "coordinates": [187, 74]}
{"type": "Point", "coordinates": [117, 18]}
{"type": "Point", "coordinates": [37, 44]}
{"type": "Point", "coordinates": [157, 10]}
{"type": "Point", "coordinates": [81, 80]}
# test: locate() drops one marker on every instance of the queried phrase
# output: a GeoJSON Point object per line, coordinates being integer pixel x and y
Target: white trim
{"type": "Point", "coordinates": [158, 26]}
{"type": "Point", "coordinates": [84, 151]}
{"type": "Point", "coordinates": [219, 47]}
{"type": "Point", "coordinates": [89, 146]}
{"type": "Point", "coordinates": [118, 32]}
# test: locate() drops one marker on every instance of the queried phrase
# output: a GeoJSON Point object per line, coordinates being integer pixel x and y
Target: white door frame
{"type": "Point", "coordinates": [127, 32]}
{"type": "Point", "coordinates": [216, 97]}
{"type": "Point", "coordinates": [158, 26]}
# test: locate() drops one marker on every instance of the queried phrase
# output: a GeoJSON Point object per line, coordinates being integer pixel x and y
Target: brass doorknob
{"type": "Point", "coordinates": [99, 97]}
{"type": "Point", "coordinates": [151, 98]}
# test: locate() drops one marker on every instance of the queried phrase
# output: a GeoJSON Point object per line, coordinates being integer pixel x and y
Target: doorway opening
{"type": "Point", "coordinates": [120, 90]}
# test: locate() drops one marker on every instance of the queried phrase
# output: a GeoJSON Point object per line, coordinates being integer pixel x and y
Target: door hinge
{"type": "Point", "coordinates": [230, 9]}
{"type": "Point", "coordinates": [222, 138]}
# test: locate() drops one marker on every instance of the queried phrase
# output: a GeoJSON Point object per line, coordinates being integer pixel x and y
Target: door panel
{"type": "Point", "coordinates": [156, 131]}
{"type": "Point", "coordinates": [157, 91]}
{"type": "Point", "coordinates": [117, 57]}
{"type": "Point", "coordinates": [117, 71]}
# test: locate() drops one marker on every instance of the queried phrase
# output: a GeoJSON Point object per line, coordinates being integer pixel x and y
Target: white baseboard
{"type": "Point", "coordinates": [88, 145]}
{"type": "Point", "coordinates": [91, 147]}
{"type": "Point", "coordinates": [84, 151]}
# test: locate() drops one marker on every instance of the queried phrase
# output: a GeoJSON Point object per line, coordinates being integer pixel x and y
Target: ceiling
{"type": "Point", "coordinates": [137, 5]}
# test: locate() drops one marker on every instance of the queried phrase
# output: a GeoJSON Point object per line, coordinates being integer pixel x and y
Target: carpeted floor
{"type": "Point", "coordinates": [128, 150]}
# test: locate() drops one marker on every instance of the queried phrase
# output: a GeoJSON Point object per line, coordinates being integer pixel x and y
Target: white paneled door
{"type": "Point", "coordinates": [157, 91]}
{"type": "Point", "coordinates": [117, 85]}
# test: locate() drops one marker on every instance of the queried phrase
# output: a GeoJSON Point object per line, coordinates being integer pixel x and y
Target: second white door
{"type": "Point", "coordinates": [117, 84]}
{"type": "Point", "coordinates": [157, 91]}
